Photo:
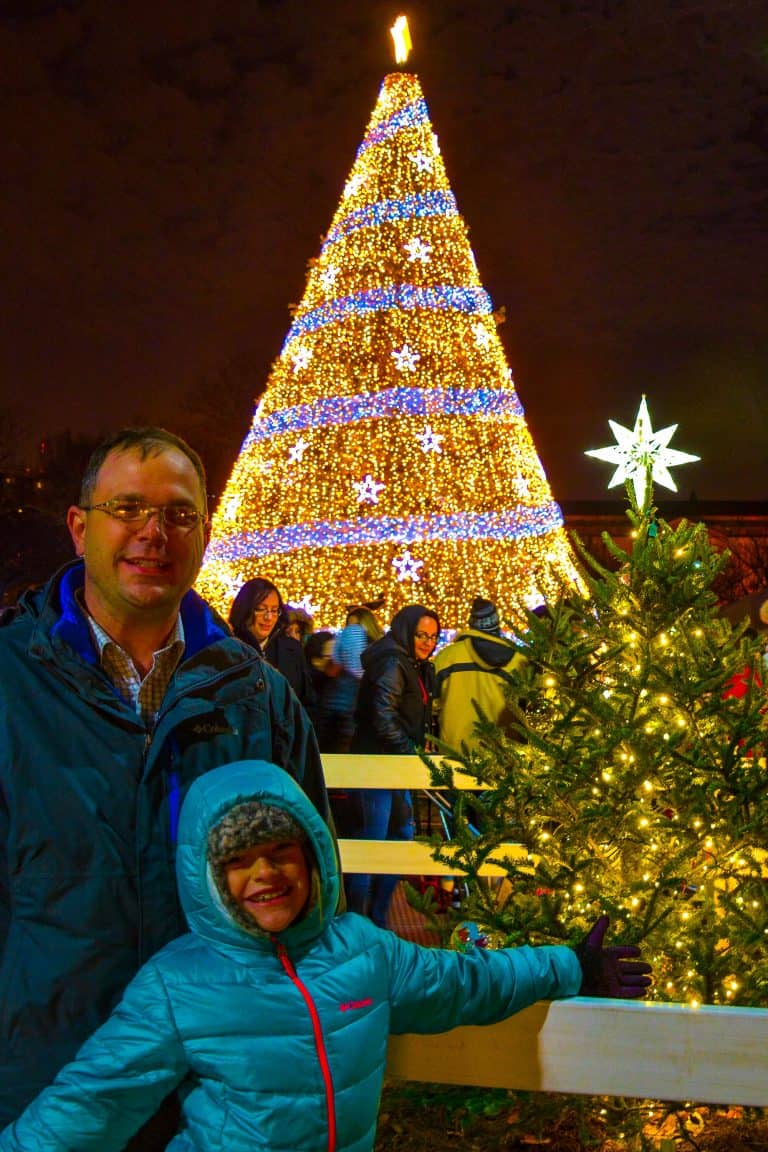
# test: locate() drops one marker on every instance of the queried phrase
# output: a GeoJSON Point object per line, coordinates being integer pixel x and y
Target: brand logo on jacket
{"type": "Point", "coordinates": [352, 1005]}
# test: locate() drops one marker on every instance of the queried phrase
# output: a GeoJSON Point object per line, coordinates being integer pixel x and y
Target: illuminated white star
{"type": "Point", "coordinates": [418, 250]}
{"type": "Point", "coordinates": [430, 441]}
{"type": "Point", "coordinates": [407, 567]}
{"type": "Point", "coordinates": [367, 490]}
{"type": "Point", "coordinates": [521, 485]}
{"type": "Point", "coordinates": [406, 358]}
{"type": "Point", "coordinates": [296, 453]}
{"type": "Point", "coordinates": [354, 184]}
{"type": "Point", "coordinates": [328, 276]}
{"type": "Point", "coordinates": [642, 455]}
{"type": "Point", "coordinates": [306, 605]}
{"type": "Point", "coordinates": [482, 335]}
{"type": "Point", "coordinates": [232, 506]}
{"type": "Point", "coordinates": [231, 585]}
{"type": "Point", "coordinates": [301, 358]}
{"type": "Point", "coordinates": [422, 161]}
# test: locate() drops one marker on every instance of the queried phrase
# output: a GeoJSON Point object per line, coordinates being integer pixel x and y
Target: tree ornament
{"type": "Point", "coordinates": [642, 455]}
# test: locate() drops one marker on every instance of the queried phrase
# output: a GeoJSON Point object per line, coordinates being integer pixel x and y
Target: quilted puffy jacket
{"type": "Point", "coordinates": [282, 1040]}
{"type": "Point", "coordinates": [89, 802]}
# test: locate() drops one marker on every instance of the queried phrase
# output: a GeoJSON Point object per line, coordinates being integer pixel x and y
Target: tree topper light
{"type": "Point", "coordinates": [401, 34]}
{"type": "Point", "coordinates": [642, 455]}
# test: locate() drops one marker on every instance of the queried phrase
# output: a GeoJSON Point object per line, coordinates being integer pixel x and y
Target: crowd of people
{"type": "Point", "coordinates": [178, 964]}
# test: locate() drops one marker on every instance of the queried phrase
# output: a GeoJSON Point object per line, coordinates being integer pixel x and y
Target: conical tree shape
{"type": "Point", "coordinates": [389, 454]}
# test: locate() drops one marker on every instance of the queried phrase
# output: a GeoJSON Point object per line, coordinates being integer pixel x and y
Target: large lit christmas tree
{"type": "Point", "coordinates": [634, 772]}
{"type": "Point", "coordinates": [389, 454]}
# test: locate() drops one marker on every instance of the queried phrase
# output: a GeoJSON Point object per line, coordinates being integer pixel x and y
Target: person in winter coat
{"type": "Point", "coordinates": [394, 715]}
{"type": "Point", "coordinates": [474, 670]}
{"type": "Point", "coordinates": [273, 1010]}
{"type": "Point", "coordinates": [119, 686]}
{"type": "Point", "coordinates": [259, 617]}
{"type": "Point", "coordinates": [361, 628]}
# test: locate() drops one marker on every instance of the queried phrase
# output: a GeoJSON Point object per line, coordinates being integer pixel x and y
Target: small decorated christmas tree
{"type": "Point", "coordinates": [634, 770]}
{"type": "Point", "coordinates": [389, 454]}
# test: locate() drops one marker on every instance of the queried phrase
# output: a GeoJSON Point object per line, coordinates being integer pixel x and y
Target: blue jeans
{"type": "Point", "coordinates": [383, 814]}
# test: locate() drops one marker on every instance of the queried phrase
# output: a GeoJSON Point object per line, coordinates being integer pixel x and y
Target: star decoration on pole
{"type": "Point", "coordinates": [642, 455]}
{"type": "Point", "coordinates": [367, 489]}
{"type": "Point", "coordinates": [430, 441]}
{"type": "Point", "coordinates": [405, 358]}
{"type": "Point", "coordinates": [407, 566]}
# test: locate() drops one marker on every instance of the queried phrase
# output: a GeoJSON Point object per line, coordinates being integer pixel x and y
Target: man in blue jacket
{"type": "Point", "coordinates": [119, 686]}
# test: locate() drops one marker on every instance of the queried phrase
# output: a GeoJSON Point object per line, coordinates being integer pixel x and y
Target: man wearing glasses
{"type": "Point", "coordinates": [119, 686]}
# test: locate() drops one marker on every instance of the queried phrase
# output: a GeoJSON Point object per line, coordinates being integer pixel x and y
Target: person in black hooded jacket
{"type": "Point", "coordinates": [393, 716]}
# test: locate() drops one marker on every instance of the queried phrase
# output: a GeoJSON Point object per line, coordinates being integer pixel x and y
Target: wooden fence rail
{"type": "Point", "coordinates": [596, 1047]}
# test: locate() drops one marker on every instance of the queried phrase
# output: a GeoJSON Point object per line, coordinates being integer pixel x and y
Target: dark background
{"type": "Point", "coordinates": [167, 169]}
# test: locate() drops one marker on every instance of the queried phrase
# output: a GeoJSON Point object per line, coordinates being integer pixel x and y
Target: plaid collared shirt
{"type": "Point", "coordinates": [145, 695]}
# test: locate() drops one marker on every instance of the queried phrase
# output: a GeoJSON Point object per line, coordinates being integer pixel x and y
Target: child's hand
{"type": "Point", "coordinates": [614, 971]}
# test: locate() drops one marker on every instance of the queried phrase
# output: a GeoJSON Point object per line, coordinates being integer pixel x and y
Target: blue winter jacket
{"type": "Point", "coordinates": [89, 801]}
{"type": "Point", "coordinates": [282, 1040]}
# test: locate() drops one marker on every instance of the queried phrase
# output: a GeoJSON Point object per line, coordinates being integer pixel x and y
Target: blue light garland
{"type": "Point", "coordinates": [340, 410]}
{"type": "Point", "coordinates": [411, 116]}
{"type": "Point", "coordinates": [515, 524]}
{"type": "Point", "coordinates": [406, 297]}
{"type": "Point", "coordinates": [424, 204]}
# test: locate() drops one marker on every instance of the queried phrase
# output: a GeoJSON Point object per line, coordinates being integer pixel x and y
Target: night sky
{"type": "Point", "coordinates": [168, 169]}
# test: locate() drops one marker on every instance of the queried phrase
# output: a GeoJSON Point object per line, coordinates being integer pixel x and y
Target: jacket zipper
{"type": "Point", "coordinates": [319, 1041]}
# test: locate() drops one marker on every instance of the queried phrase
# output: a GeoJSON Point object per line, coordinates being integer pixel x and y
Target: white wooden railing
{"type": "Point", "coordinates": [596, 1047]}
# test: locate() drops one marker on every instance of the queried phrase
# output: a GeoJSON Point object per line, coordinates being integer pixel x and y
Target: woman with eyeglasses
{"type": "Point", "coordinates": [393, 716]}
{"type": "Point", "coordinates": [258, 617]}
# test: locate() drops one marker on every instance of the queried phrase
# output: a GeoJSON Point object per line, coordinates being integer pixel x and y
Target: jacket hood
{"type": "Point", "coordinates": [208, 799]}
{"type": "Point", "coordinates": [399, 639]}
{"type": "Point", "coordinates": [492, 650]}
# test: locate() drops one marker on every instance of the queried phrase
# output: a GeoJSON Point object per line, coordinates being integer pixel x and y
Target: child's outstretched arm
{"type": "Point", "coordinates": [434, 989]}
{"type": "Point", "coordinates": [116, 1082]}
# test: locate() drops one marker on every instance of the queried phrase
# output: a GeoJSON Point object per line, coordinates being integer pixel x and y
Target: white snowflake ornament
{"type": "Point", "coordinates": [418, 250]}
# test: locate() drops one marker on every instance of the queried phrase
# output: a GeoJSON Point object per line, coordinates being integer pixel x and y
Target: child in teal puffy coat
{"type": "Point", "coordinates": [272, 1014]}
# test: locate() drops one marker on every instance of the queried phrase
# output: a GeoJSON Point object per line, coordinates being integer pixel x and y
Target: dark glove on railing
{"type": "Point", "coordinates": [613, 971]}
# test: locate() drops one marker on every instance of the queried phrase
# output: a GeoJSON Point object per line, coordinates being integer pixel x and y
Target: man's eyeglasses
{"type": "Point", "coordinates": [425, 637]}
{"type": "Point", "coordinates": [135, 513]}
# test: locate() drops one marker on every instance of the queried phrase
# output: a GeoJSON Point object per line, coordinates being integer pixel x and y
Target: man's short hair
{"type": "Point", "coordinates": [147, 442]}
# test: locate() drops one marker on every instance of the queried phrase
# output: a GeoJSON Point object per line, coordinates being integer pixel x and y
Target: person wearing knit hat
{"type": "Point", "coordinates": [258, 858]}
{"type": "Point", "coordinates": [472, 674]}
{"type": "Point", "coordinates": [483, 616]}
{"type": "Point", "coordinates": [279, 1033]}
